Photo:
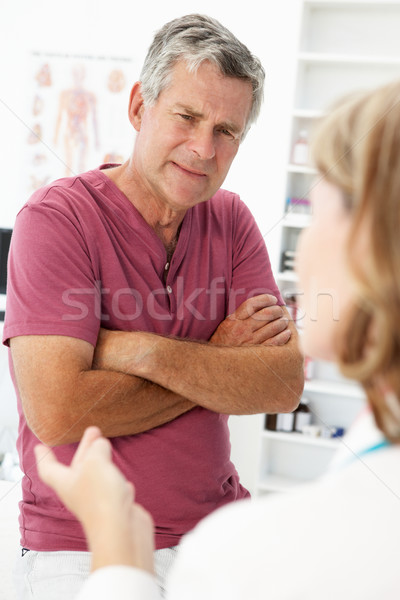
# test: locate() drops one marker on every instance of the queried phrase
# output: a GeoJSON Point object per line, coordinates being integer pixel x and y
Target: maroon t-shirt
{"type": "Point", "coordinates": [82, 257]}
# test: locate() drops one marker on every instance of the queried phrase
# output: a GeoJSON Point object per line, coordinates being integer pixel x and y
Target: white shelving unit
{"type": "Point", "coordinates": [291, 458]}
{"type": "Point", "coordinates": [344, 46]}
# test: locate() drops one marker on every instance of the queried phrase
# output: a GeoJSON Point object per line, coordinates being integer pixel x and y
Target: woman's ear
{"type": "Point", "coordinates": [136, 106]}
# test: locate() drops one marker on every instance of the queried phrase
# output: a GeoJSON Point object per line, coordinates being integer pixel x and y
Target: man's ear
{"type": "Point", "coordinates": [136, 106]}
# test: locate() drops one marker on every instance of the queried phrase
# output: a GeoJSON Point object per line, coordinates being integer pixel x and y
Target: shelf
{"type": "Point", "coordinates": [378, 61]}
{"type": "Point", "coordinates": [350, 3]}
{"type": "Point", "coordinates": [275, 483]}
{"type": "Point", "coordinates": [288, 276]}
{"type": "Point", "coordinates": [300, 438]}
{"type": "Point", "coordinates": [334, 388]}
{"type": "Point", "coordinates": [296, 220]}
{"type": "Point", "coordinates": [344, 46]}
{"type": "Point", "coordinates": [303, 113]}
{"type": "Point", "coordinates": [305, 169]}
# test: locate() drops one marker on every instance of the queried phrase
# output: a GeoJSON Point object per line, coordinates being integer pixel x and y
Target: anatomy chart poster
{"type": "Point", "coordinates": [78, 115]}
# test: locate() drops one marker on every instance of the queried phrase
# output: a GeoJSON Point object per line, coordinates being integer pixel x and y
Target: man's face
{"type": "Point", "coordinates": [187, 140]}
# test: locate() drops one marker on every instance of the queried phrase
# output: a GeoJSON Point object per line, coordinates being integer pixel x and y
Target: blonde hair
{"type": "Point", "coordinates": [357, 148]}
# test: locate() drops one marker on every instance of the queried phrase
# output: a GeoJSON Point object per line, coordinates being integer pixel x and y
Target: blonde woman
{"type": "Point", "coordinates": [337, 538]}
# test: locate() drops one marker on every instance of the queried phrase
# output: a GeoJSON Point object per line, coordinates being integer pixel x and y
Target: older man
{"type": "Point", "coordinates": [141, 300]}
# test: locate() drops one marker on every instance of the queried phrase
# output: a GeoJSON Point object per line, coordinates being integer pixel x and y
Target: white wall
{"type": "Point", "coordinates": [125, 28]}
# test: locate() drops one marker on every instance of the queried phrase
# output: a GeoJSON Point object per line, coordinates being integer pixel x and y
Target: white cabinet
{"type": "Point", "coordinates": [344, 46]}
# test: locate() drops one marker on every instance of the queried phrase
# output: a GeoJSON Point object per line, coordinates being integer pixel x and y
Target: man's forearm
{"type": "Point", "coordinates": [122, 404]}
{"type": "Point", "coordinates": [231, 380]}
{"type": "Point", "coordinates": [62, 394]}
{"type": "Point", "coordinates": [118, 404]}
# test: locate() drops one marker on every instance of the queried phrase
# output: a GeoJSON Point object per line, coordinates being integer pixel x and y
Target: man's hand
{"type": "Point", "coordinates": [259, 320]}
{"type": "Point", "coordinates": [119, 531]}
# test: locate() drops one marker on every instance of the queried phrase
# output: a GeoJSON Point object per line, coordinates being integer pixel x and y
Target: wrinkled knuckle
{"type": "Point", "coordinates": [283, 325]}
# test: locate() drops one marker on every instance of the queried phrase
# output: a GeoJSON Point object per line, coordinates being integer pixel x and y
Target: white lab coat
{"type": "Point", "coordinates": [335, 538]}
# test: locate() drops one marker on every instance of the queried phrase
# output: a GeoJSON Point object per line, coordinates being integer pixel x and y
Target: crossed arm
{"type": "Point", "coordinates": [135, 381]}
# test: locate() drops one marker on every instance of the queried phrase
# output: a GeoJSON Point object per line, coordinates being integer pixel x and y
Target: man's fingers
{"type": "Point", "coordinates": [253, 305]}
{"type": "Point", "coordinates": [276, 327]}
{"type": "Point", "coordinates": [268, 314]}
{"type": "Point", "coordinates": [268, 332]}
{"type": "Point", "coordinates": [279, 340]}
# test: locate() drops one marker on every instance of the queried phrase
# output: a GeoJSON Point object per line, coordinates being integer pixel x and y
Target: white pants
{"type": "Point", "coordinates": [60, 575]}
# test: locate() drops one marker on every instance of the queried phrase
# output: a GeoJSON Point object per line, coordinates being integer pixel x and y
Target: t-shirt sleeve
{"type": "Point", "coordinates": [51, 286]}
{"type": "Point", "coordinates": [251, 273]}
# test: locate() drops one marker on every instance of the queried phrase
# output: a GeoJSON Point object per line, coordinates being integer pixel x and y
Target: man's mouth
{"type": "Point", "coordinates": [190, 170]}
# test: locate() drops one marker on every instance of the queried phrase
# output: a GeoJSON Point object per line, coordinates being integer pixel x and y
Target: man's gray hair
{"type": "Point", "coordinates": [196, 38]}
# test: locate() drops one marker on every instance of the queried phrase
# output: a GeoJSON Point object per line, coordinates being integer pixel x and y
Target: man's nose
{"type": "Point", "coordinates": [202, 142]}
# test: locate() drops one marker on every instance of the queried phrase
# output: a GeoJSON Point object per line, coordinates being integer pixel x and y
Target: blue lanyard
{"type": "Point", "coordinates": [357, 455]}
{"type": "Point", "coordinates": [378, 446]}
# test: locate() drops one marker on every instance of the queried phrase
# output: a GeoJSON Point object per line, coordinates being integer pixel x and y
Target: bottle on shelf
{"type": "Point", "coordinates": [302, 415]}
{"type": "Point", "coordinates": [270, 422]}
{"type": "Point", "coordinates": [297, 206]}
{"type": "Point", "coordinates": [288, 260]}
{"type": "Point", "coordinates": [285, 422]}
{"type": "Point", "coordinates": [279, 422]}
{"type": "Point", "coordinates": [300, 149]}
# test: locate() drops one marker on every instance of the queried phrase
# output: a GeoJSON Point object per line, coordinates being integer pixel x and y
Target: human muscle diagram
{"type": "Point", "coordinates": [77, 109]}
{"type": "Point", "coordinates": [77, 115]}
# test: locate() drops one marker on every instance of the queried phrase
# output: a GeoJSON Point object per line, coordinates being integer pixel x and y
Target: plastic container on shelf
{"type": "Point", "coordinates": [280, 422]}
{"type": "Point", "coordinates": [285, 422]}
{"type": "Point", "coordinates": [300, 152]}
{"type": "Point", "coordinates": [297, 206]}
{"type": "Point", "coordinates": [302, 415]}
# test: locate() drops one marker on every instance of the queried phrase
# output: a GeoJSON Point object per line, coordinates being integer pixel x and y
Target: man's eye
{"type": "Point", "coordinates": [186, 117]}
{"type": "Point", "coordinates": [226, 132]}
